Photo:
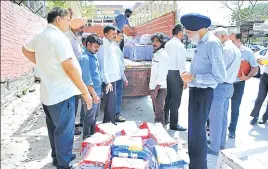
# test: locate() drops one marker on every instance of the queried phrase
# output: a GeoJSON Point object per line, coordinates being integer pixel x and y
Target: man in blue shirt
{"type": "Point", "coordinates": [223, 93]}
{"type": "Point", "coordinates": [206, 72]}
{"type": "Point", "coordinates": [91, 77]}
{"type": "Point", "coordinates": [239, 85]}
{"type": "Point", "coordinates": [122, 20]}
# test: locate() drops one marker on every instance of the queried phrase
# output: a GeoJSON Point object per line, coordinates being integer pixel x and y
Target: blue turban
{"type": "Point", "coordinates": [195, 21]}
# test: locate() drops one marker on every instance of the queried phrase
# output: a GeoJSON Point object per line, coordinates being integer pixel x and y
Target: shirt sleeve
{"type": "Point", "coordinates": [252, 59]}
{"type": "Point", "coordinates": [85, 66]}
{"type": "Point", "coordinates": [63, 49]}
{"type": "Point", "coordinates": [162, 70]}
{"type": "Point", "coordinates": [104, 64]}
{"type": "Point", "coordinates": [30, 45]}
{"type": "Point", "coordinates": [182, 58]}
{"type": "Point", "coordinates": [215, 55]}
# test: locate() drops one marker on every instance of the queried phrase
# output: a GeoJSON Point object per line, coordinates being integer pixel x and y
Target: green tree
{"type": "Point", "coordinates": [52, 4]}
{"type": "Point", "coordinates": [242, 12]}
{"type": "Point", "coordinates": [87, 9]}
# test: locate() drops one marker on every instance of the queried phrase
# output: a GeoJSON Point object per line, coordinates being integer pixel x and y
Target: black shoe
{"type": "Point", "coordinates": [231, 134]}
{"type": "Point", "coordinates": [178, 128]}
{"type": "Point", "coordinates": [77, 132]}
{"type": "Point", "coordinates": [78, 125]}
{"type": "Point", "coordinates": [120, 119]}
{"type": "Point", "coordinates": [55, 163]}
{"type": "Point", "coordinates": [254, 121]}
{"type": "Point", "coordinates": [167, 121]}
{"type": "Point", "coordinates": [263, 121]}
{"type": "Point", "coordinates": [222, 147]}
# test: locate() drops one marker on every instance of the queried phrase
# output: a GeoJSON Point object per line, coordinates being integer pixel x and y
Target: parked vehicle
{"type": "Point", "coordinates": [260, 54]}
{"type": "Point", "coordinates": [190, 51]}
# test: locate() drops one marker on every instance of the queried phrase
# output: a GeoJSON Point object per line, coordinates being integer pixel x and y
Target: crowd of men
{"type": "Point", "coordinates": [78, 69]}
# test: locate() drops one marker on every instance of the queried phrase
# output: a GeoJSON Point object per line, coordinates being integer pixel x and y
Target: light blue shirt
{"type": "Point", "coordinates": [121, 20]}
{"type": "Point", "coordinates": [208, 64]}
{"type": "Point", "coordinates": [248, 55]}
{"type": "Point", "coordinates": [232, 60]}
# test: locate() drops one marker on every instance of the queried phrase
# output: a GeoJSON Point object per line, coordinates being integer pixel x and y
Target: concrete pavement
{"type": "Point", "coordinates": [24, 140]}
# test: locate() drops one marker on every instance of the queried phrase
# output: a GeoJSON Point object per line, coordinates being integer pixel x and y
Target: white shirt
{"type": "Point", "coordinates": [109, 62]}
{"type": "Point", "coordinates": [159, 70]}
{"type": "Point", "coordinates": [52, 47]}
{"type": "Point", "coordinates": [232, 60]}
{"type": "Point", "coordinates": [121, 60]}
{"type": "Point", "coordinates": [177, 54]}
{"type": "Point", "coordinates": [76, 43]}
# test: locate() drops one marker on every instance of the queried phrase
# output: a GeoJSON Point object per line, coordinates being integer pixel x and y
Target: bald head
{"type": "Point", "coordinates": [222, 34]}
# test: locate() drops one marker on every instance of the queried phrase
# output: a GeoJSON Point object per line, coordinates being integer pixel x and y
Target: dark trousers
{"type": "Point", "coordinates": [235, 104]}
{"type": "Point", "coordinates": [173, 97]}
{"type": "Point", "coordinates": [60, 121]}
{"type": "Point", "coordinates": [90, 119]}
{"type": "Point", "coordinates": [79, 108]}
{"type": "Point", "coordinates": [263, 89]}
{"type": "Point", "coordinates": [158, 106]}
{"type": "Point", "coordinates": [200, 101]}
{"type": "Point", "coordinates": [122, 44]}
{"type": "Point", "coordinates": [110, 104]}
{"type": "Point", "coordinates": [119, 94]}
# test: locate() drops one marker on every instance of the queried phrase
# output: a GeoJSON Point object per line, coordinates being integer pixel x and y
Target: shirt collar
{"type": "Point", "coordinates": [74, 35]}
{"type": "Point", "coordinates": [204, 38]}
{"type": "Point", "coordinates": [226, 42]}
{"type": "Point", "coordinates": [50, 25]}
{"type": "Point", "coordinates": [176, 39]}
{"type": "Point", "coordinates": [242, 47]}
{"type": "Point", "coordinates": [106, 41]}
{"type": "Point", "coordinates": [117, 44]}
{"type": "Point", "coordinates": [88, 52]}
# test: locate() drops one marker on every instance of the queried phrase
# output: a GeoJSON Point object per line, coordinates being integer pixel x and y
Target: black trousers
{"type": "Point", "coordinates": [122, 44]}
{"type": "Point", "coordinates": [200, 101]}
{"type": "Point", "coordinates": [263, 89]}
{"type": "Point", "coordinates": [173, 97]}
{"type": "Point", "coordinates": [110, 104]}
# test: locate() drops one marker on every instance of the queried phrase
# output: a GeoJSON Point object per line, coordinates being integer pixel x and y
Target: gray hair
{"type": "Point", "coordinates": [221, 31]}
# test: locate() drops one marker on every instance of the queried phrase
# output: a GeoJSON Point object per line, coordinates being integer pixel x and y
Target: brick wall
{"type": "Point", "coordinates": [17, 26]}
{"type": "Point", "coordinates": [163, 24]}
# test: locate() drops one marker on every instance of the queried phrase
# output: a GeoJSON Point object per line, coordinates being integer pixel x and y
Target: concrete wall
{"type": "Point", "coordinates": [17, 26]}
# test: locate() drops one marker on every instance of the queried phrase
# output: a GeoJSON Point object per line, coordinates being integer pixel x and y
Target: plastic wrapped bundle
{"type": "Point", "coordinates": [127, 127]}
{"type": "Point", "coordinates": [127, 143]}
{"type": "Point", "coordinates": [146, 39]}
{"type": "Point", "coordinates": [108, 128]}
{"type": "Point", "coordinates": [97, 139]}
{"type": "Point", "coordinates": [143, 133]}
{"type": "Point", "coordinates": [98, 157]}
{"type": "Point", "coordinates": [168, 158]}
{"type": "Point", "coordinates": [142, 52]}
{"type": "Point", "coordinates": [159, 135]}
{"type": "Point", "coordinates": [127, 163]}
{"type": "Point", "coordinates": [128, 51]}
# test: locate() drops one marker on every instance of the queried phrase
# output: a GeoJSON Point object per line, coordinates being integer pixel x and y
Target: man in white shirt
{"type": "Point", "coordinates": [60, 72]}
{"type": "Point", "coordinates": [263, 90]}
{"type": "Point", "coordinates": [74, 35]}
{"type": "Point", "coordinates": [110, 72]}
{"type": "Point", "coordinates": [159, 71]}
{"type": "Point", "coordinates": [218, 115]}
{"type": "Point", "coordinates": [123, 80]}
{"type": "Point", "coordinates": [177, 62]}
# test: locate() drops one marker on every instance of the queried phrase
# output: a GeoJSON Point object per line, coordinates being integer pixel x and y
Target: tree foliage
{"type": "Point", "coordinates": [87, 9]}
{"type": "Point", "coordinates": [253, 11]}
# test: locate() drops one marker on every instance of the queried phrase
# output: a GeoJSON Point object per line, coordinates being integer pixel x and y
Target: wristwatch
{"type": "Point", "coordinates": [193, 77]}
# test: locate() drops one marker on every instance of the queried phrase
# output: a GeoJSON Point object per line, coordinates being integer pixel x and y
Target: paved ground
{"type": "Point", "coordinates": [24, 140]}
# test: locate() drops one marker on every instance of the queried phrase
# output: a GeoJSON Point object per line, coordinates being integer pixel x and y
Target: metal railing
{"type": "Point", "coordinates": [151, 10]}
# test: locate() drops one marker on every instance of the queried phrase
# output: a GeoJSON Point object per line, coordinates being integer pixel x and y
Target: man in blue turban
{"type": "Point", "coordinates": [206, 72]}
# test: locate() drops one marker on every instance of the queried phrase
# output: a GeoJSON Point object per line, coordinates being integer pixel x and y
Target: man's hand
{"type": "Point", "coordinates": [109, 88]}
{"type": "Point", "coordinates": [126, 83]}
{"type": "Point", "coordinates": [88, 100]}
{"type": "Point", "coordinates": [185, 85]}
{"type": "Point", "coordinates": [154, 94]}
{"type": "Point", "coordinates": [96, 99]}
{"type": "Point", "coordinates": [186, 77]}
{"type": "Point", "coordinates": [243, 77]}
{"type": "Point", "coordinates": [260, 61]}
